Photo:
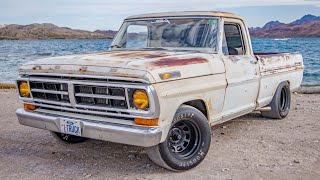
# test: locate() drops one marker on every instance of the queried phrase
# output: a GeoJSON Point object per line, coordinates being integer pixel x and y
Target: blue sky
{"type": "Point", "coordinates": [108, 14]}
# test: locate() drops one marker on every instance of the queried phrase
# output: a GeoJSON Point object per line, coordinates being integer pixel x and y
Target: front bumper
{"type": "Point", "coordinates": [125, 134]}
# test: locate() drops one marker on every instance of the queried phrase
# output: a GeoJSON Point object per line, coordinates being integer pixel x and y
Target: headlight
{"type": "Point", "coordinates": [24, 89]}
{"type": "Point", "coordinates": [140, 99]}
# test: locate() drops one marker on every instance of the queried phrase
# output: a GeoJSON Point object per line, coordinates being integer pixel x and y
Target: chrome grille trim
{"type": "Point", "coordinates": [51, 102]}
{"type": "Point", "coordinates": [100, 96]}
{"type": "Point", "coordinates": [53, 75]}
{"type": "Point", "coordinates": [49, 91]}
{"type": "Point", "coordinates": [126, 111]}
{"type": "Point", "coordinates": [84, 82]}
{"type": "Point", "coordinates": [84, 111]}
{"type": "Point", "coordinates": [72, 98]}
{"type": "Point", "coordinates": [127, 97]}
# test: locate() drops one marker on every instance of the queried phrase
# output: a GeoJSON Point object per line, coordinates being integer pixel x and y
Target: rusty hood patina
{"type": "Point", "coordinates": [144, 64]}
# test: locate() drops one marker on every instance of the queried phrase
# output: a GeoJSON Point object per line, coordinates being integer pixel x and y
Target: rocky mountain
{"type": "Point", "coordinates": [45, 31]}
{"type": "Point", "coordinates": [306, 18]}
{"type": "Point", "coordinates": [307, 26]}
{"type": "Point", "coordinates": [272, 24]}
{"type": "Point", "coordinates": [108, 33]}
{"type": "Point", "coordinates": [2, 25]}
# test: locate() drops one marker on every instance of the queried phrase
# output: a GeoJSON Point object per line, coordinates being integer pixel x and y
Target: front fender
{"type": "Point", "coordinates": [210, 89]}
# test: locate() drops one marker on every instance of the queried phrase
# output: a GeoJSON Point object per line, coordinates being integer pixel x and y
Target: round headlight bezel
{"type": "Point", "coordinates": [140, 99]}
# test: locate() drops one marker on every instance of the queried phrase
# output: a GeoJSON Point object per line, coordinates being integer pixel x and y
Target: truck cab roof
{"type": "Point", "coordinates": [186, 13]}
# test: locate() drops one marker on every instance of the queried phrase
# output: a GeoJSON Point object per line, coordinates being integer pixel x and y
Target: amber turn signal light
{"type": "Point", "coordinates": [29, 107]}
{"type": "Point", "coordinates": [166, 76]}
{"type": "Point", "coordinates": [146, 122]}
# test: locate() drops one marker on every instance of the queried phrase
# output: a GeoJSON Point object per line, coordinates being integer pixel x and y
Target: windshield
{"type": "Point", "coordinates": [185, 33]}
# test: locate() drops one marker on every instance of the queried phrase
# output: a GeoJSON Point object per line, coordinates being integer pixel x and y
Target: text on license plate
{"type": "Point", "coordinates": [72, 127]}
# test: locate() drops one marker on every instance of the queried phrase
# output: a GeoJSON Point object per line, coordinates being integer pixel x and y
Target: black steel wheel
{"type": "Point", "coordinates": [187, 143]}
{"type": "Point", "coordinates": [280, 104]}
{"type": "Point", "coordinates": [184, 138]}
{"type": "Point", "coordinates": [68, 138]}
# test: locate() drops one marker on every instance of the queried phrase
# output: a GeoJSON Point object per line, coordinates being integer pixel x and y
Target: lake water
{"type": "Point", "coordinates": [15, 53]}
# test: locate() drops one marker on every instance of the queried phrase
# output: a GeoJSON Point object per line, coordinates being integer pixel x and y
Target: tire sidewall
{"type": "Point", "coordinates": [188, 113]}
{"type": "Point", "coordinates": [283, 113]}
{"type": "Point", "coordinates": [71, 139]}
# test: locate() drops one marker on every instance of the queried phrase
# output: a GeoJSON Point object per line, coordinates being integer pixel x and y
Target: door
{"type": "Point", "coordinates": [242, 70]}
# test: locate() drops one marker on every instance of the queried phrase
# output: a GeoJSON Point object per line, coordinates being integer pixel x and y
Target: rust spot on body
{"type": "Point", "coordinates": [209, 104]}
{"type": "Point", "coordinates": [138, 54]}
{"type": "Point", "coordinates": [124, 75]}
{"type": "Point", "coordinates": [37, 68]}
{"type": "Point", "coordinates": [83, 69]}
{"type": "Point", "coordinates": [178, 61]}
{"type": "Point", "coordinates": [233, 59]}
{"type": "Point", "coordinates": [154, 56]}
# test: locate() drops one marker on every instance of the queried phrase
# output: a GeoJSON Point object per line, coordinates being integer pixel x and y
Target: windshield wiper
{"type": "Point", "coordinates": [154, 48]}
{"type": "Point", "coordinates": [116, 46]}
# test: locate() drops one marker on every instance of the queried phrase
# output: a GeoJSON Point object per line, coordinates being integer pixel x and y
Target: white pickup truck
{"type": "Point", "coordinates": [166, 79]}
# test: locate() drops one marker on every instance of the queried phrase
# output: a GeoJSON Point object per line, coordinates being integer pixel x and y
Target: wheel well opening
{"type": "Point", "coordinates": [200, 105]}
{"type": "Point", "coordinates": [288, 82]}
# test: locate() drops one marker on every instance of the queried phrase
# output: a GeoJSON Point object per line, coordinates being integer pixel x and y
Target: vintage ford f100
{"type": "Point", "coordinates": [165, 80]}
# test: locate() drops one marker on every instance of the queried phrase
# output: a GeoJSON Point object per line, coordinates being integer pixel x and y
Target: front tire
{"type": "Point", "coordinates": [280, 104]}
{"type": "Point", "coordinates": [66, 138]}
{"type": "Point", "coordinates": [187, 143]}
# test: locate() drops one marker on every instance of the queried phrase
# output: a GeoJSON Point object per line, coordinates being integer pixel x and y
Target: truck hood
{"type": "Point", "coordinates": [147, 65]}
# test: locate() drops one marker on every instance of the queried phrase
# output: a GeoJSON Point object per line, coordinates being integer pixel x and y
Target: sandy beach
{"type": "Point", "coordinates": [250, 147]}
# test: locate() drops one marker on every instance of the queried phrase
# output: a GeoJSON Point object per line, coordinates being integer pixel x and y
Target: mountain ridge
{"type": "Point", "coordinates": [306, 26]}
{"type": "Point", "coordinates": [306, 18]}
{"type": "Point", "coordinates": [45, 31]}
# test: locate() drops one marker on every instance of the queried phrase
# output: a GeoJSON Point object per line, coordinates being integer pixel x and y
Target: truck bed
{"type": "Point", "coordinates": [279, 62]}
{"type": "Point", "coordinates": [276, 67]}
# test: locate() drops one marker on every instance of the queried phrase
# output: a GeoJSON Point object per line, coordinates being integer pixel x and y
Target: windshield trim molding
{"type": "Point", "coordinates": [172, 17]}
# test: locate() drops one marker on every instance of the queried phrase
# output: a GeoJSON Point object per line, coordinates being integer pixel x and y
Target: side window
{"type": "Point", "coordinates": [137, 37]}
{"type": "Point", "coordinates": [233, 40]}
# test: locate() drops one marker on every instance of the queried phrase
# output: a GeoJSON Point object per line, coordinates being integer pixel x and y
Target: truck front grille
{"type": "Point", "coordinates": [50, 91]}
{"type": "Point", "coordinates": [101, 96]}
{"type": "Point", "coordinates": [91, 96]}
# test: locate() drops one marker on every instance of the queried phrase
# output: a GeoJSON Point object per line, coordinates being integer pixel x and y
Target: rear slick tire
{"type": "Point", "coordinates": [280, 104]}
{"type": "Point", "coordinates": [187, 143]}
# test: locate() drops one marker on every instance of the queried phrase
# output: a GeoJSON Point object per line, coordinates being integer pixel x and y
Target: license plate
{"type": "Point", "coordinates": [71, 127]}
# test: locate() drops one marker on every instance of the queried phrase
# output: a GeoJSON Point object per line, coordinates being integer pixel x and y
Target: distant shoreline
{"type": "Point", "coordinates": [257, 37]}
{"type": "Point", "coordinates": [14, 39]}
